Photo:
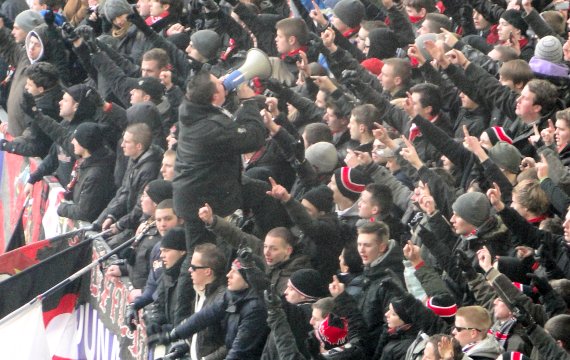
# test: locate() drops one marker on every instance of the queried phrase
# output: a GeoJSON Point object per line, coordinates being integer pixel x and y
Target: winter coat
{"type": "Point", "coordinates": [94, 188]}
{"type": "Point", "coordinates": [243, 318]}
{"type": "Point", "coordinates": [53, 49]}
{"type": "Point", "coordinates": [375, 299]}
{"type": "Point", "coordinates": [15, 54]}
{"type": "Point", "coordinates": [208, 162]}
{"type": "Point", "coordinates": [169, 295]}
{"type": "Point", "coordinates": [133, 45]}
{"type": "Point", "coordinates": [279, 274]}
{"type": "Point", "coordinates": [124, 208]}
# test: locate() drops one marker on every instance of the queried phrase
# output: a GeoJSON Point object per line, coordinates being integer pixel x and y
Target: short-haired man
{"type": "Point", "coordinates": [207, 269]}
{"type": "Point", "coordinates": [395, 77]}
{"type": "Point", "coordinates": [472, 324]}
{"type": "Point", "coordinates": [375, 204]}
{"type": "Point", "coordinates": [361, 124]}
{"type": "Point", "coordinates": [378, 253]}
{"type": "Point", "coordinates": [144, 163]}
{"type": "Point", "coordinates": [291, 38]}
{"type": "Point", "coordinates": [433, 23]}
{"type": "Point", "coordinates": [167, 167]}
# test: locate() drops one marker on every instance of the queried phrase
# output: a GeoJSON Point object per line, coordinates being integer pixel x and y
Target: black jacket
{"type": "Point", "coordinates": [208, 161]}
{"type": "Point", "coordinates": [94, 188]}
{"type": "Point", "coordinates": [243, 317]}
{"type": "Point", "coordinates": [124, 208]}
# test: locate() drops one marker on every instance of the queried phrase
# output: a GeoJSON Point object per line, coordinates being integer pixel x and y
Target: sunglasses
{"type": "Point", "coordinates": [460, 329]}
{"type": "Point", "coordinates": [196, 267]}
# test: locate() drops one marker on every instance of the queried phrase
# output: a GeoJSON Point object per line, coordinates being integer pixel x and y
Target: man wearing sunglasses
{"type": "Point", "coordinates": [472, 324]}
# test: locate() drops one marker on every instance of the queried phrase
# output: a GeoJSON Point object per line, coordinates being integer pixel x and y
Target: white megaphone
{"type": "Point", "coordinates": [256, 64]}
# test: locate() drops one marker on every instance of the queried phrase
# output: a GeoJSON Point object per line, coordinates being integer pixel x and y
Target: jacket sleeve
{"type": "Point", "coordinates": [442, 197]}
{"type": "Point", "coordinates": [504, 98]}
{"type": "Point", "coordinates": [178, 58]}
{"type": "Point", "coordinates": [546, 345]}
{"type": "Point", "coordinates": [393, 115]}
{"type": "Point", "coordinates": [202, 319]}
{"type": "Point", "coordinates": [538, 25]}
{"type": "Point", "coordinates": [284, 340]}
{"type": "Point", "coordinates": [484, 293]}
{"type": "Point", "coordinates": [117, 207]}
{"type": "Point", "coordinates": [342, 60]}
{"type": "Point", "coordinates": [494, 174]}
{"type": "Point", "coordinates": [558, 198]}
{"type": "Point", "coordinates": [479, 58]}
{"type": "Point", "coordinates": [120, 83]}
{"type": "Point", "coordinates": [400, 193]}
{"type": "Point", "coordinates": [490, 11]}
{"type": "Point", "coordinates": [302, 219]}
{"type": "Point", "coordinates": [444, 143]}
{"type": "Point", "coordinates": [431, 281]}
{"type": "Point", "coordinates": [47, 166]}
{"type": "Point", "coordinates": [57, 132]}
{"type": "Point", "coordinates": [344, 305]}
{"type": "Point", "coordinates": [513, 296]}
{"type": "Point", "coordinates": [233, 236]}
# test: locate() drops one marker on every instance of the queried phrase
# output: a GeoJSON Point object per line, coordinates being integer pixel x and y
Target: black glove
{"type": "Point", "coordinates": [3, 144]}
{"type": "Point", "coordinates": [541, 283]}
{"type": "Point", "coordinates": [49, 17]}
{"type": "Point", "coordinates": [465, 264]}
{"type": "Point", "coordinates": [272, 299]}
{"type": "Point", "coordinates": [524, 318]}
{"type": "Point", "coordinates": [132, 317]}
{"type": "Point", "coordinates": [274, 85]}
{"type": "Point", "coordinates": [68, 32]}
{"type": "Point", "coordinates": [313, 345]}
{"type": "Point", "coordinates": [178, 350]}
{"type": "Point", "coordinates": [29, 105]}
{"type": "Point", "coordinates": [162, 338]}
{"type": "Point", "coordinates": [86, 32]}
{"type": "Point", "coordinates": [211, 5]}
{"type": "Point", "coordinates": [136, 19]}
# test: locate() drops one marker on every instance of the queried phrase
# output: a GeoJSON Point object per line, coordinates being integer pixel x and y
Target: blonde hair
{"type": "Point", "coordinates": [476, 317]}
{"type": "Point", "coordinates": [531, 196]}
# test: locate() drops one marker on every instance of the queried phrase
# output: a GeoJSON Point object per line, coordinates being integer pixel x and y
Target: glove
{"type": "Point", "coordinates": [68, 32]}
{"type": "Point", "coordinates": [178, 350]}
{"type": "Point", "coordinates": [136, 19]}
{"type": "Point", "coordinates": [29, 105]}
{"type": "Point", "coordinates": [3, 144]}
{"type": "Point", "coordinates": [465, 264]}
{"type": "Point", "coordinates": [272, 299]}
{"type": "Point", "coordinates": [86, 32]}
{"type": "Point", "coordinates": [274, 85]}
{"type": "Point", "coordinates": [162, 338]}
{"type": "Point", "coordinates": [132, 317]}
{"type": "Point", "coordinates": [211, 5]}
{"type": "Point", "coordinates": [49, 17]}
{"type": "Point", "coordinates": [541, 283]}
{"type": "Point", "coordinates": [524, 318]}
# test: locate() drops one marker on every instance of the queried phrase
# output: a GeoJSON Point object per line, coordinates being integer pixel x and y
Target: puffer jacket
{"type": "Point", "coordinates": [244, 318]}
{"type": "Point", "coordinates": [208, 161]}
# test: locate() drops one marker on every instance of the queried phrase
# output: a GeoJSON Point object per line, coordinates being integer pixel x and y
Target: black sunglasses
{"type": "Point", "coordinates": [460, 329]}
{"type": "Point", "coordinates": [196, 267]}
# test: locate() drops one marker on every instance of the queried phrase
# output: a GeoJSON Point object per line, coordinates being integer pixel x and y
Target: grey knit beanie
{"type": "Point", "coordinates": [322, 156]}
{"type": "Point", "coordinates": [350, 12]}
{"type": "Point", "coordinates": [506, 156]}
{"type": "Point", "coordinates": [473, 207]}
{"type": "Point", "coordinates": [115, 8]}
{"type": "Point", "coordinates": [28, 19]}
{"type": "Point", "coordinates": [549, 48]}
{"type": "Point", "coordinates": [207, 42]}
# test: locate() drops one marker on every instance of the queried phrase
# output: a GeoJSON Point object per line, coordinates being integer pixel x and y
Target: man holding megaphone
{"type": "Point", "coordinates": [210, 145]}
